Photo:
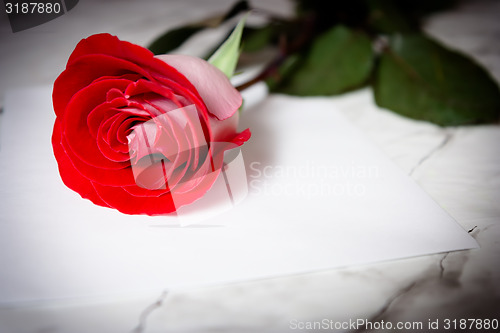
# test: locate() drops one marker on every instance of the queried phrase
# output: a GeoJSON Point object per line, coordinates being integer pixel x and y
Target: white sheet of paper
{"type": "Point", "coordinates": [320, 196]}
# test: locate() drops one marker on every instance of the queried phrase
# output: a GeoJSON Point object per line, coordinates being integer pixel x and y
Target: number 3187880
{"type": "Point", "coordinates": [33, 8]}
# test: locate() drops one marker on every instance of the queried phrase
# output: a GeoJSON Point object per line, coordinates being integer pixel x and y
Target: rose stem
{"type": "Point", "coordinates": [284, 51]}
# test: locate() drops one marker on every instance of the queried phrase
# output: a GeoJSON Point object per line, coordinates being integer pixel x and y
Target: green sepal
{"type": "Point", "coordinates": [226, 56]}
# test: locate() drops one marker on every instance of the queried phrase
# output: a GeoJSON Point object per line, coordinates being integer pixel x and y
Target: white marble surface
{"type": "Point", "coordinates": [459, 167]}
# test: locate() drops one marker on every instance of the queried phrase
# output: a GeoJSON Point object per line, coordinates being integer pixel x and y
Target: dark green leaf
{"type": "Point", "coordinates": [386, 17]}
{"type": "Point", "coordinates": [383, 15]}
{"type": "Point", "coordinates": [422, 8]}
{"type": "Point", "coordinates": [290, 64]}
{"type": "Point", "coordinates": [419, 78]}
{"type": "Point", "coordinates": [255, 39]}
{"type": "Point", "coordinates": [174, 38]}
{"type": "Point", "coordinates": [338, 60]}
{"type": "Point", "coordinates": [352, 13]}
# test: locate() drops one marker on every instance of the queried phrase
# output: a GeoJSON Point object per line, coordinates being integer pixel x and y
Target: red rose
{"type": "Point", "coordinates": [139, 133]}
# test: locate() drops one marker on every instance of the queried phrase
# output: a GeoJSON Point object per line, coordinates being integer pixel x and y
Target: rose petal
{"type": "Point", "coordinates": [110, 45]}
{"type": "Point", "coordinates": [112, 177]}
{"type": "Point", "coordinates": [76, 130]}
{"type": "Point", "coordinates": [88, 62]}
{"type": "Point", "coordinates": [103, 140]}
{"type": "Point", "coordinates": [106, 44]}
{"type": "Point", "coordinates": [119, 141]}
{"type": "Point", "coordinates": [242, 137]}
{"type": "Point", "coordinates": [137, 191]}
{"type": "Point", "coordinates": [85, 71]}
{"type": "Point", "coordinates": [153, 175]}
{"type": "Point", "coordinates": [220, 97]}
{"type": "Point", "coordinates": [101, 113]}
{"type": "Point", "coordinates": [225, 130]}
{"type": "Point", "coordinates": [127, 203]}
{"type": "Point", "coordinates": [69, 175]}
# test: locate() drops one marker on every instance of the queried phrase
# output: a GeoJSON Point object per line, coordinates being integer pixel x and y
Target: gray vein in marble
{"type": "Point", "coordinates": [381, 313]}
{"type": "Point", "coordinates": [441, 265]}
{"type": "Point", "coordinates": [441, 262]}
{"type": "Point", "coordinates": [432, 152]}
{"type": "Point", "coordinates": [143, 318]}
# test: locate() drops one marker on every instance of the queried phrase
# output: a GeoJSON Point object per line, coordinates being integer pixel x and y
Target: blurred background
{"type": "Point", "coordinates": [36, 56]}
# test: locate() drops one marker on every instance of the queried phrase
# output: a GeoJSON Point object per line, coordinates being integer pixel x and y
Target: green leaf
{"type": "Point", "coordinates": [421, 79]}
{"type": "Point", "coordinates": [255, 39]}
{"type": "Point", "coordinates": [290, 64]}
{"type": "Point", "coordinates": [174, 38]}
{"type": "Point", "coordinates": [226, 56]}
{"type": "Point", "coordinates": [338, 60]}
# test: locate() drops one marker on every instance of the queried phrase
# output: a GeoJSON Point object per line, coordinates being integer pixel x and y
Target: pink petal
{"type": "Point", "coordinates": [220, 97]}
